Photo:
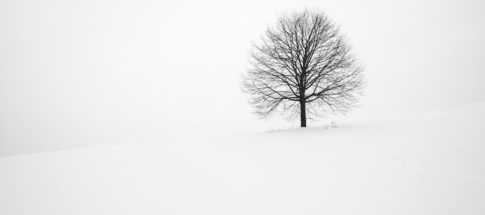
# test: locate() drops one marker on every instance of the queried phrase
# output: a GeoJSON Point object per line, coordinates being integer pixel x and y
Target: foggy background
{"type": "Point", "coordinates": [79, 73]}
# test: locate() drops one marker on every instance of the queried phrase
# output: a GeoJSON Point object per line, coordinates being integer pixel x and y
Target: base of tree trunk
{"type": "Point", "coordinates": [303, 114]}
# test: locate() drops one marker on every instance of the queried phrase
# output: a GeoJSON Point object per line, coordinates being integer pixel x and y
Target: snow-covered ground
{"type": "Point", "coordinates": [427, 163]}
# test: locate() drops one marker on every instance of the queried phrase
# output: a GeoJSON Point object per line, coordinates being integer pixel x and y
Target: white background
{"type": "Point", "coordinates": [76, 73]}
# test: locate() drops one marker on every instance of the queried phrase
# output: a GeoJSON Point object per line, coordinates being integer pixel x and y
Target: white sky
{"type": "Point", "coordinates": [86, 72]}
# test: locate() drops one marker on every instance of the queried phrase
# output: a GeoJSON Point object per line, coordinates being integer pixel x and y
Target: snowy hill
{"type": "Point", "coordinates": [429, 163]}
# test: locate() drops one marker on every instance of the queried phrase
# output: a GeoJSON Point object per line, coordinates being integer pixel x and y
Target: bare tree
{"type": "Point", "coordinates": [304, 67]}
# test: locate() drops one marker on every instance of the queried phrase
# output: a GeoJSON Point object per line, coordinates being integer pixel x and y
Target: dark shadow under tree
{"type": "Point", "coordinates": [303, 67]}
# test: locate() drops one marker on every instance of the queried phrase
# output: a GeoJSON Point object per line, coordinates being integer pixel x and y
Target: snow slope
{"type": "Point", "coordinates": [428, 163]}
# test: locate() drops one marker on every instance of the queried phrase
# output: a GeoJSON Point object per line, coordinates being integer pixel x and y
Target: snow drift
{"type": "Point", "coordinates": [428, 163]}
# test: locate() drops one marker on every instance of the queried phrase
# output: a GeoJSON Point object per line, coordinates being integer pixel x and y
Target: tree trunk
{"type": "Point", "coordinates": [302, 113]}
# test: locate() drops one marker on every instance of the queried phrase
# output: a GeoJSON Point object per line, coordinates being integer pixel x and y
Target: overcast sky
{"type": "Point", "coordinates": [90, 72]}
